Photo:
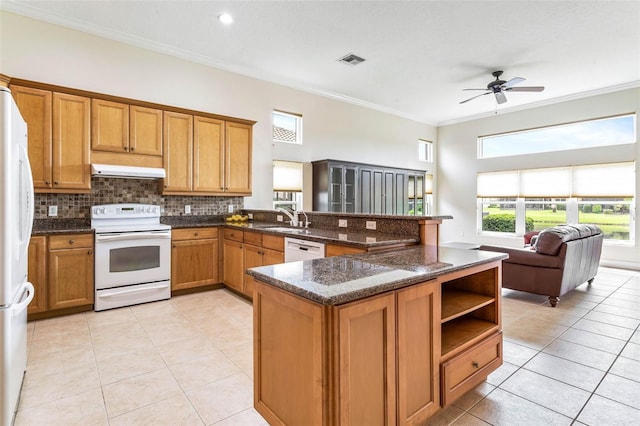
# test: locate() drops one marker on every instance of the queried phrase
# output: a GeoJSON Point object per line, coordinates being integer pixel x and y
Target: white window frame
{"type": "Point", "coordinates": [428, 150]}
{"type": "Point", "coordinates": [298, 121]}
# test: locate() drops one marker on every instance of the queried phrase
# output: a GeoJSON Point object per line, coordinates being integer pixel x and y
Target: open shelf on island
{"type": "Point", "coordinates": [456, 303]}
{"type": "Point", "coordinates": [459, 331]}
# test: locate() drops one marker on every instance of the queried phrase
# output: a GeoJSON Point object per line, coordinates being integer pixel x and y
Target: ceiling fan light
{"type": "Point", "coordinates": [225, 18]}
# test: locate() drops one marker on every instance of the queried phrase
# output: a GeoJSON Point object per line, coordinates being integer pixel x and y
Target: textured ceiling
{"type": "Point", "coordinates": [419, 54]}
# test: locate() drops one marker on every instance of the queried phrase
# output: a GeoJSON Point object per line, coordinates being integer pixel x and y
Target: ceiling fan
{"type": "Point", "coordinates": [498, 87]}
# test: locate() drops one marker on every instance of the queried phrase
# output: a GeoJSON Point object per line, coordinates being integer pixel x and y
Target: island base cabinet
{"type": "Point", "coordinates": [367, 362]}
{"type": "Point", "coordinates": [289, 386]}
{"type": "Point", "coordinates": [370, 362]}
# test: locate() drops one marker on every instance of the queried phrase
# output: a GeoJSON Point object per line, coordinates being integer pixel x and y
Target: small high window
{"type": "Point", "coordinates": [287, 127]}
{"type": "Point", "coordinates": [425, 150]}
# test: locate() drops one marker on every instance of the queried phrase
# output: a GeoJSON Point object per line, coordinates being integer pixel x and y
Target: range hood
{"type": "Point", "coordinates": [108, 170]}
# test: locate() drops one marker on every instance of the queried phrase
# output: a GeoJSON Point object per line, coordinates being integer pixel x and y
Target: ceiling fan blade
{"type": "Point", "coordinates": [474, 89]}
{"type": "Point", "coordinates": [500, 97]}
{"type": "Point", "coordinates": [513, 82]}
{"type": "Point", "coordinates": [477, 96]}
{"type": "Point", "coordinates": [526, 89]}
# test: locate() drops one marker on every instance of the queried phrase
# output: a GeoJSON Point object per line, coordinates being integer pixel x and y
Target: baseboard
{"type": "Point", "coordinates": [620, 264]}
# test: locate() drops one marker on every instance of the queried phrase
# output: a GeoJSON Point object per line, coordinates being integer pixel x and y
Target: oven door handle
{"type": "Point", "coordinates": [134, 290]}
{"type": "Point", "coordinates": [134, 236]}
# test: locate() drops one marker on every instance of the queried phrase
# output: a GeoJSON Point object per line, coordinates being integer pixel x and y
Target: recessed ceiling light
{"type": "Point", "coordinates": [225, 18]}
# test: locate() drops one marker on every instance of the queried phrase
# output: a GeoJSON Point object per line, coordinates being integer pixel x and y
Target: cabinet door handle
{"type": "Point", "coordinates": [47, 182]}
{"type": "Point", "coordinates": [195, 234]}
{"type": "Point", "coordinates": [174, 246]}
{"type": "Point", "coordinates": [133, 148]}
{"type": "Point", "coordinates": [71, 241]}
{"type": "Point", "coordinates": [55, 182]}
{"type": "Point", "coordinates": [125, 148]}
{"type": "Point", "coordinates": [90, 252]}
{"type": "Point", "coordinates": [475, 364]}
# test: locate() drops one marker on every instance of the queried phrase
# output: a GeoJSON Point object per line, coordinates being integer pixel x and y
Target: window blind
{"type": "Point", "coordinates": [604, 180]}
{"type": "Point", "coordinates": [287, 176]}
{"type": "Point", "coordinates": [498, 184]}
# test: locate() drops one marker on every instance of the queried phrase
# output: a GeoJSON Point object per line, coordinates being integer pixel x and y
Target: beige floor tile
{"type": "Point", "coordinates": [472, 397]}
{"type": "Point", "coordinates": [100, 319]}
{"type": "Point", "coordinates": [188, 349]}
{"type": "Point", "coordinates": [632, 351]}
{"type": "Point", "coordinates": [532, 340]}
{"type": "Point", "coordinates": [469, 420]}
{"type": "Point", "coordinates": [635, 338]}
{"type": "Point", "coordinates": [446, 416]}
{"type": "Point", "coordinates": [85, 408]}
{"type": "Point", "coordinates": [612, 319]}
{"type": "Point", "coordinates": [123, 366]}
{"type": "Point", "coordinates": [174, 333]}
{"type": "Point", "coordinates": [119, 330]}
{"type": "Point", "coordinates": [113, 346]}
{"type": "Point", "coordinates": [135, 392]}
{"type": "Point", "coordinates": [244, 418]}
{"type": "Point", "coordinates": [557, 396]}
{"type": "Point", "coordinates": [501, 374]}
{"type": "Point", "coordinates": [504, 408]}
{"type": "Point", "coordinates": [615, 310]}
{"type": "Point", "coordinates": [592, 340]}
{"type": "Point", "coordinates": [604, 329]}
{"type": "Point", "coordinates": [627, 368]}
{"type": "Point", "coordinates": [176, 410]}
{"type": "Point", "coordinates": [572, 373]}
{"type": "Point", "coordinates": [202, 371]}
{"type": "Point", "coordinates": [76, 321]}
{"type": "Point", "coordinates": [223, 398]}
{"type": "Point", "coordinates": [581, 354]}
{"type": "Point", "coordinates": [603, 411]}
{"type": "Point", "coordinates": [59, 341]}
{"type": "Point", "coordinates": [71, 358]}
{"type": "Point", "coordinates": [162, 307]}
{"type": "Point", "coordinates": [59, 385]}
{"type": "Point", "coordinates": [516, 354]}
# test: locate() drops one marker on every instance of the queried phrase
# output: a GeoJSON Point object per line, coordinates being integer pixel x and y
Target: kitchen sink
{"type": "Point", "coordinates": [297, 231]}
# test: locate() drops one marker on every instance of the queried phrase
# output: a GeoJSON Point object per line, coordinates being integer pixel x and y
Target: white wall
{"type": "Point", "coordinates": [458, 163]}
{"type": "Point", "coordinates": [47, 53]}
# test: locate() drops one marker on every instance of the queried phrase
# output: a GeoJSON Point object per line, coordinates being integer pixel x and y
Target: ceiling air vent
{"type": "Point", "coordinates": [351, 59]}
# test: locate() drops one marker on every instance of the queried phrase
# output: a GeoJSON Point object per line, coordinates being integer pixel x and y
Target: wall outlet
{"type": "Point", "coordinates": [250, 216]}
{"type": "Point", "coordinates": [187, 209]}
{"type": "Point", "coordinates": [342, 223]}
{"type": "Point", "coordinates": [371, 224]}
{"type": "Point", "coordinates": [53, 210]}
{"type": "Point", "coordinates": [279, 218]}
{"type": "Point", "coordinates": [230, 208]}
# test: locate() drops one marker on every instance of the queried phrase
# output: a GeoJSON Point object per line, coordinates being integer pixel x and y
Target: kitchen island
{"type": "Point", "coordinates": [377, 338]}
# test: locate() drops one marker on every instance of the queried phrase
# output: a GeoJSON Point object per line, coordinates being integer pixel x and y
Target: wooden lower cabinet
{"type": "Point", "coordinates": [194, 258]}
{"type": "Point", "coordinates": [233, 271]}
{"type": "Point", "coordinates": [37, 273]}
{"type": "Point", "coordinates": [374, 361]}
{"type": "Point", "coordinates": [70, 279]}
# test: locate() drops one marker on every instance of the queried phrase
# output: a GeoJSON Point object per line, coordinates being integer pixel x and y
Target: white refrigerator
{"type": "Point", "coordinates": [16, 221]}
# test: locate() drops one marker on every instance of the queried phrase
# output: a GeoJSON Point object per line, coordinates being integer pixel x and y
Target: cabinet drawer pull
{"type": "Point", "coordinates": [195, 234]}
{"type": "Point", "coordinates": [475, 364]}
{"type": "Point", "coordinates": [133, 148]}
{"type": "Point", "coordinates": [71, 241]}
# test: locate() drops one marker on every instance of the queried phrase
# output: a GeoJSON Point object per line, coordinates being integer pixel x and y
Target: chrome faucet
{"type": "Point", "coordinates": [306, 220]}
{"type": "Point", "coordinates": [293, 217]}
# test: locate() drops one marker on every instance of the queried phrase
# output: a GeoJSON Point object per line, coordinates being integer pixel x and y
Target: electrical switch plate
{"type": "Point", "coordinates": [342, 223]}
{"type": "Point", "coordinates": [187, 209]}
{"type": "Point", "coordinates": [230, 208]}
{"type": "Point", "coordinates": [279, 218]}
{"type": "Point", "coordinates": [53, 210]}
{"type": "Point", "coordinates": [371, 224]}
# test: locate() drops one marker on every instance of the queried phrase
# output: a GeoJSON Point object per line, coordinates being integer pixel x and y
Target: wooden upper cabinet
{"type": "Point", "coordinates": [145, 130]}
{"type": "Point", "coordinates": [178, 151]}
{"type": "Point", "coordinates": [237, 170]}
{"type": "Point", "coordinates": [71, 135]}
{"type": "Point", "coordinates": [35, 107]}
{"type": "Point", "coordinates": [109, 126]}
{"type": "Point", "coordinates": [208, 143]}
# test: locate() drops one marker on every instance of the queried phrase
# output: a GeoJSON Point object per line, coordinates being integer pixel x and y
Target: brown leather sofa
{"type": "Point", "coordinates": [561, 259]}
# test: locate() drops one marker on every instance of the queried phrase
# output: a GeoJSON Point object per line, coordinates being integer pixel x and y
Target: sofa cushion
{"type": "Point", "coordinates": [550, 240]}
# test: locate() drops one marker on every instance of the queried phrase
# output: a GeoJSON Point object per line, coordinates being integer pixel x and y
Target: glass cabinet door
{"type": "Point", "coordinates": [350, 190]}
{"type": "Point", "coordinates": [335, 193]}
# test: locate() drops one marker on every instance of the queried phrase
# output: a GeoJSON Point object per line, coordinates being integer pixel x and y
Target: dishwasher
{"type": "Point", "coordinates": [295, 250]}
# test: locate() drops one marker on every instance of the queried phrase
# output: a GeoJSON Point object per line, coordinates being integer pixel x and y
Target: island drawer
{"type": "Point", "coordinates": [194, 233]}
{"type": "Point", "coordinates": [468, 369]}
{"type": "Point", "coordinates": [70, 241]}
{"type": "Point", "coordinates": [253, 238]}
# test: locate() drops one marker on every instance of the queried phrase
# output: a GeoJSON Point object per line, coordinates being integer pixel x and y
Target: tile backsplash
{"type": "Point", "coordinates": [116, 191]}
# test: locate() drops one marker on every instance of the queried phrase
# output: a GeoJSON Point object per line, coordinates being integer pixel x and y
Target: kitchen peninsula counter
{"type": "Point", "coordinates": [376, 338]}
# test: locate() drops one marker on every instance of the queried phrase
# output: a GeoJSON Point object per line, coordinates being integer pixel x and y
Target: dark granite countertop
{"type": "Point", "coordinates": [60, 226]}
{"type": "Point", "coordinates": [342, 279]}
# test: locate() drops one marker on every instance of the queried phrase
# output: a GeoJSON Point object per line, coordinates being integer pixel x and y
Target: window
{"type": "Point", "coordinates": [585, 134]}
{"type": "Point", "coordinates": [425, 150]}
{"type": "Point", "coordinates": [287, 127]}
{"type": "Point", "coordinates": [287, 185]}
{"type": "Point", "coordinates": [518, 201]}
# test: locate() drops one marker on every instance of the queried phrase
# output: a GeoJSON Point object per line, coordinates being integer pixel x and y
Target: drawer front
{"type": "Point", "coordinates": [470, 368]}
{"type": "Point", "coordinates": [233, 234]}
{"type": "Point", "coordinates": [57, 242]}
{"type": "Point", "coordinates": [194, 234]}
{"type": "Point", "coordinates": [273, 242]}
{"type": "Point", "coordinates": [253, 238]}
